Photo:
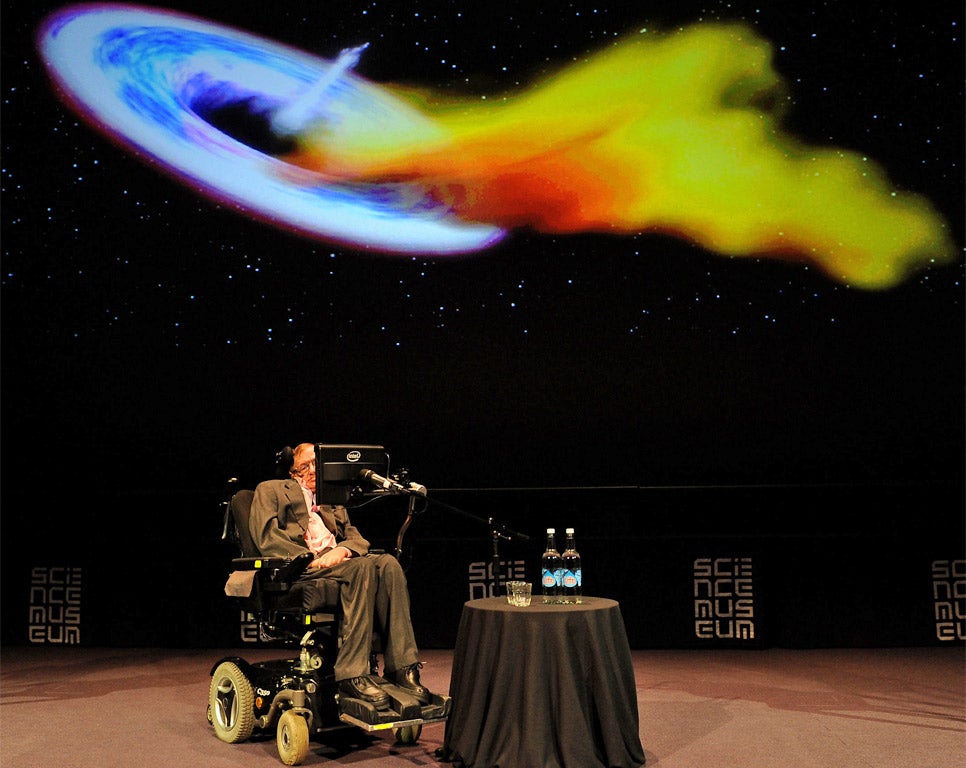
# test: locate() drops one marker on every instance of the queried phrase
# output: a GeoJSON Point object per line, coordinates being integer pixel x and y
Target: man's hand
{"type": "Point", "coordinates": [334, 556]}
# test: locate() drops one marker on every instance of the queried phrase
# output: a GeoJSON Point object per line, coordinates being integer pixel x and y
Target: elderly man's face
{"type": "Point", "coordinates": [303, 468]}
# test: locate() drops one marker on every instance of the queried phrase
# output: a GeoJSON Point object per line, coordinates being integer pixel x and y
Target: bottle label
{"type": "Point", "coordinates": [571, 580]}
{"type": "Point", "coordinates": [549, 580]}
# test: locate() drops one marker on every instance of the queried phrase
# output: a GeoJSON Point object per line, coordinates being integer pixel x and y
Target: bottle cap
{"type": "Point", "coordinates": [570, 530]}
{"type": "Point", "coordinates": [551, 530]}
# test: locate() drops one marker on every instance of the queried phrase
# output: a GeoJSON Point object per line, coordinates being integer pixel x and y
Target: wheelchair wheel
{"type": "Point", "coordinates": [231, 703]}
{"type": "Point", "coordinates": [407, 734]}
{"type": "Point", "coordinates": [292, 737]}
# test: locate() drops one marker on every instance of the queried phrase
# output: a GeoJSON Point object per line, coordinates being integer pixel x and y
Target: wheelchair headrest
{"type": "Point", "coordinates": [284, 460]}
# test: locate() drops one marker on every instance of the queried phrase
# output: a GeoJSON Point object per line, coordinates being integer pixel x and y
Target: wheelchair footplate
{"type": "Point", "coordinates": [405, 712]}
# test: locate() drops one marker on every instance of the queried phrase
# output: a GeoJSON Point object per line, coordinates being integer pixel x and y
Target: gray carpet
{"type": "Point", "coordinates": [844, 708]}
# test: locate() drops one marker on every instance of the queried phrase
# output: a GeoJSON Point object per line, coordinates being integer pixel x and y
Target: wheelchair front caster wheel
{"type": "Point", "coordinates": [407, 734]}
{"type": "Point", "coordinates": [292, 737]}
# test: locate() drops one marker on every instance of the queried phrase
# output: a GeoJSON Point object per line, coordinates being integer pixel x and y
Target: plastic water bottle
{"type": "Point", "coordinates": [572, 573]}
{"type": "Point", "coordinates": [551, 569]}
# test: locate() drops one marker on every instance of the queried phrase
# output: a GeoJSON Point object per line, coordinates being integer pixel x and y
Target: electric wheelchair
{"type": "Point", "coordinates": [298, 697]}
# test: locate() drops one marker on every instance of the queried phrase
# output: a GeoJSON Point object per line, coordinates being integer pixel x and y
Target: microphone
{"type": "Point", "coordinates": [417, 490]}
{"type": "Point", "coordinates": [393, 486]}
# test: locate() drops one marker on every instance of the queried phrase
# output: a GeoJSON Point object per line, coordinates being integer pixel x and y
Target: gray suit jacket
{"type": "Point", "coordinates": [279, 519]}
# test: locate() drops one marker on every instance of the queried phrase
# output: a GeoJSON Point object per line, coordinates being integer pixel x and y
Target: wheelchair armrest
{"type": "Point", "coordinates": [278, 568]}
{"type": "Point", "coordinates": [295, 568]}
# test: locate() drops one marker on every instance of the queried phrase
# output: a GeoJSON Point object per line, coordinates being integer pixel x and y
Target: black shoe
{"type": "Point", "coordinates": [363, 688]}
{"type": "Point", "coordinates": [407, 678]}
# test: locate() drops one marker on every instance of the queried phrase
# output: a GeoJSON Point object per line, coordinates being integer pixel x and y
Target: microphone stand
{"type": "Point", "coordinates": [402, 531]}
{"type": "Point", "coordinates": [498, 532]}
{"type": "Point", "coordinates": [496, 568]}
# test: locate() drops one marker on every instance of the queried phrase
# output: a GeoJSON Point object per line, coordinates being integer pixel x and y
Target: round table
{"type": "Point", "coordinates": [542, 686]}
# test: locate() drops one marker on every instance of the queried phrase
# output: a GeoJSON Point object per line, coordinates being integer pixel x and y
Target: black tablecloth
{"type": "Point", "coordinates": [546, 686]}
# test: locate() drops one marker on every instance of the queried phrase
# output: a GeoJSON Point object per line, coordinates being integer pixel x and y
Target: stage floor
{"type": "Point", "coordinates": [74, 707]}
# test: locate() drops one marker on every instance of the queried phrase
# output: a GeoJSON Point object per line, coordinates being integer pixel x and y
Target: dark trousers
{"type": "Point", "coordinates": [374, 597]}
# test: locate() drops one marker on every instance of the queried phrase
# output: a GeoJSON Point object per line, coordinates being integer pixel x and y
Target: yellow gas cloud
{"type": "Point", "coordinates": [678, 133]}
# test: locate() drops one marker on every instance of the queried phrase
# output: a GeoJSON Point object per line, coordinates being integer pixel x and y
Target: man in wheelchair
{"type": "Point", "coordinates": [285, 522]}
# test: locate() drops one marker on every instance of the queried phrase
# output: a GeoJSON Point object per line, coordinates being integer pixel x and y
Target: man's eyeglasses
{"type": "Point", "coordinates": [301, 469]}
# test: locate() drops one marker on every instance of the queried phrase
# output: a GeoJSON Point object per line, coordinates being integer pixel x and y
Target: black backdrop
{"type": "Point", "coordinates": [155, 344]}
{"type": "Point", "coordinates": [833, 566]}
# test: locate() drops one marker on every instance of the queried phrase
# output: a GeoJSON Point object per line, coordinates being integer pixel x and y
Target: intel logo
{"type": "Point", "coordinates": [353, 456]}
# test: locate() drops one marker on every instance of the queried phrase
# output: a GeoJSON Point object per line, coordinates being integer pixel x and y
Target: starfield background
{"type": "Point", "coordinates": [156, 341]}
